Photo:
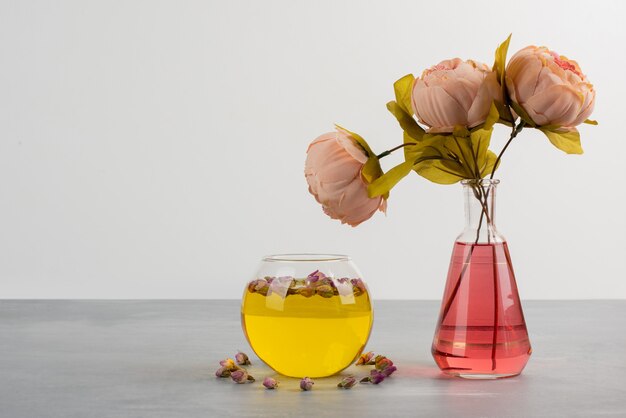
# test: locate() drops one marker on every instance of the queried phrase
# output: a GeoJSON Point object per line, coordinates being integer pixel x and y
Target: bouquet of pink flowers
{"type": "Point", "coordinates": [447, 117]}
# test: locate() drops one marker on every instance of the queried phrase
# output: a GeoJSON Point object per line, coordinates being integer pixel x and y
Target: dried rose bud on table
{"type": "Point", "coordinates": [270, 383]}
{"type": "Point", "coordinates": [242, 359]}
{"type": "Point", "coordinates": [241, 376]}
{"type": "Point", "coordinates": [306, 384]}
{"type": "Point", "coordinates": [347, 382]}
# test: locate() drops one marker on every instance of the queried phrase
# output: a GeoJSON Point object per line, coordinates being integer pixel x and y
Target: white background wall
{"type": "Point", "coordinates": [153, 149]}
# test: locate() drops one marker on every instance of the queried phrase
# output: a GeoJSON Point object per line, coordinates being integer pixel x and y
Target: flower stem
{"type": "Point", "coordinates": [389, 151]}
{"type": "Point", "coordinates": [516, 129]}
{"type": "Point", "coordinates": [494, 340]}
{"type": "Point", "coordinates": [482, 197]}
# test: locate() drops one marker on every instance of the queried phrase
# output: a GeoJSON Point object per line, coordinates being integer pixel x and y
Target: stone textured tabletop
{"type": "Point", "coordinates": [157, 358]}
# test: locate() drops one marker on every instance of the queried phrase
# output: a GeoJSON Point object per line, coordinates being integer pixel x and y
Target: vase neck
{"type": "Point", "coordinates": [480, 213]}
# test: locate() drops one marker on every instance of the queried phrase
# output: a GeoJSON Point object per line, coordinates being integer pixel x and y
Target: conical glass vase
{"type": "Point", "coordinates": [481, 332]}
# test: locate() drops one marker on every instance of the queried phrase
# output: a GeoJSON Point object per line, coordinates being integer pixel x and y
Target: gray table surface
{"type": "Point", "coordinates": [157, 358]}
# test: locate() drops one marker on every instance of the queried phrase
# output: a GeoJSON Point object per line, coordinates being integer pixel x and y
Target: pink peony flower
{"type": "Point", "coordinates": [333, 172]}
{"type": "Point", "coordinates": [549, 87]}
{"type": "Point", "coordinates": [454, 92]}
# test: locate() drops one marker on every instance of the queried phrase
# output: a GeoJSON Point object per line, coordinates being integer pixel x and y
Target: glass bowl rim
{"type": "Point", "coordinates": [305, 258]}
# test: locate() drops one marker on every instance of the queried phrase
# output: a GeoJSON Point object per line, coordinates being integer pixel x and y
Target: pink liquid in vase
{"type": "Point", "coordinates": [481, 331]}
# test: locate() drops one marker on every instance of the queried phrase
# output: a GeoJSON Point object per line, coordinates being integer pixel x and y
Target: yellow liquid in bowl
{"type": "Point", "coordinates": [302, 336]}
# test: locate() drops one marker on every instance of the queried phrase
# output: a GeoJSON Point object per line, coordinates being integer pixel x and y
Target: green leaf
{"type": "Point", "coordinates": [480, 143]}
{"type": "Point", "coordinates": [567, 141]}
{"type": "Point", "coordinates": [403, 89]}
{"type": "Point", "coordinates": [523, 114]}
{"type": "Point", "coordinates": [492, 117]}
{"type": "Point", "coordinates": [460, 131]}
{"type": "Point", "coordinates": [383, 184]}
{"type": "Point", "coordinates": [429, 158]}
{"type": "Point", "coordinates": [506, 117]}
{"type": "Point", "coordinates": [590, 122]}
{"type": "Point", "coordinates": [371, 169]}
{"type": "Point", "coordinates": [359, 139]}
{"type": "Point", "coordinates": [481, 137]}
{"type": "Point", "coordinates": [406, 121]}
{"type": "Point", "coordinates": [500, 62]}
{"type": "Point", "coordinates": [450, 166]}
{"type": "Point", "coordinates": [490, 161]}
{"type": "Point", "coordinates": [499, 67]}
{"type": "Point", "coordinates": [412, 151]}
{"type": "Point", "coordinates": [438, 171]}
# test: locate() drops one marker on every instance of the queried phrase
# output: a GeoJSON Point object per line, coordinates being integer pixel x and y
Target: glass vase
{"type": "Point", "coordinates": [481, 332]}
{"type": "Point", "coordinates": [307, 314]}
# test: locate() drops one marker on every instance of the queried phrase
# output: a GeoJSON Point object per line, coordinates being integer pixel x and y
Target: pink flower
{"type": "Point", "coordinates": [388, 371]}
{"type": "Point", "coordinates": [306, 384]}
{"type": "Point", "coordinates": [549, 87]}
{"type": "Point", "coordinates": [242, 359]}
{"type": "Point", "coordinates": [454, 92]}
{"type": "Point", "coordinates": [382, 362]}
{"type": "Point", "coordinates": [229, 364]}
{"type": "Point", "coordinates": [333, 172]}
{"type": "Point", "coordinates": [315, 276]}
{"type": "Point", "coordinates": [222, 372]}
{"type": "Point", "coordinates": [347, 382]}
{"type": "Point", "coordinates": [365, 358]}
{"type": "Point", "coordinates": [270, 383]}
{"type": "Point", "coordinates": [375, 377]}
{"type": "Point", "coordinates": [241, 376]}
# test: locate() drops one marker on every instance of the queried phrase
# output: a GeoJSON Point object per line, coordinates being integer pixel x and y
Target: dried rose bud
{"type": "Point", "coordinates": [222, 372]}
{"type": "Point", "coordinates": [241, 376]}
{"type": "Point", "coordinates": [262, 287]}
{"type": "Point", "coordinates": [375, 377]}
{"type": "Point", "coordinates": [382, 362]}
{"type": "Point", "coordinates": [270, 383]}
{"type": "Point", "coordinates": [347, 382]}
{"type": "Point", "coordinates": [306, 383]}
{"type": "Point", "coordinates": [307, 292]}
{"type": "Point", "coordinates": [252, 286]}
{"type": "Point", "coordinates": [242, 359]}
{"type": "Point", "coordinates": [358, 286]}
{"type": "Point", "coordinates": [388, 371]}
{"type": "Point", "coordinates": [325, 291]}
{"type": "Point", "coordinates": [315, 276]}
{"type": "Point", "coordinates": [366, 358]}
{"type": "Point", "coordinates": [326, 281]}
{"type": "Point", "coordinates": [229, 364]}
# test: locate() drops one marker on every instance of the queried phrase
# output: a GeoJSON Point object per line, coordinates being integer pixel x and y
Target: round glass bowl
{"type": "Point", "coordinates": [307, 314]}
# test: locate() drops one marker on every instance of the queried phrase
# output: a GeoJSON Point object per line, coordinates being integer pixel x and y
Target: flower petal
{"type": "Point", "coordinates": [558, 105]}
